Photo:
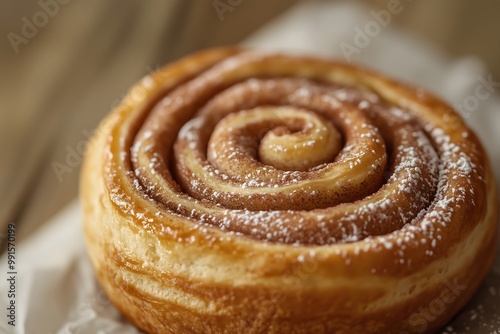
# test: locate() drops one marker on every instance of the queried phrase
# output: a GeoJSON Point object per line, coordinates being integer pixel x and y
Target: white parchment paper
{"type": "Point", "coordinates": [56, 288]}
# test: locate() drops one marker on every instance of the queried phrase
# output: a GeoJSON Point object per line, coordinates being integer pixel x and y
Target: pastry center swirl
{"type": "Point", "coordinates": [282, 137]}
{"type": "Point", "coordinates": [264, 151]}
{"type": "Point", "coordinates": [283, 151]}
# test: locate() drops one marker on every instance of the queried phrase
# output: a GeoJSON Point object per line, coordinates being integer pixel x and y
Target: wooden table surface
{"type": "Point", "coordinates": [60, 78]}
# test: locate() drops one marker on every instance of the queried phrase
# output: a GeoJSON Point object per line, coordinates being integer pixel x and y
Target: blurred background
{"type": "Point", "coordinates": [65, 63]}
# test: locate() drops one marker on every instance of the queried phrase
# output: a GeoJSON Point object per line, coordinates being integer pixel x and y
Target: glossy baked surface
{"type": "Point", "coordinates": [237, 191]}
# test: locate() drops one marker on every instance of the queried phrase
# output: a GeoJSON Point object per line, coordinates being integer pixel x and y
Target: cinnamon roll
{"type": "Point", "coordinates": [236, 191]}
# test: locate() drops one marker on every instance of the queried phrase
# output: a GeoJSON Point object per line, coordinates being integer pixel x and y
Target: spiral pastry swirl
{"type": "Point", "coordinates": [236, 191]}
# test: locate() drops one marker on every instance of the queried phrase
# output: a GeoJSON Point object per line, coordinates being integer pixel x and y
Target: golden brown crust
{"type": "Point", "coordinates": [241, 192]}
